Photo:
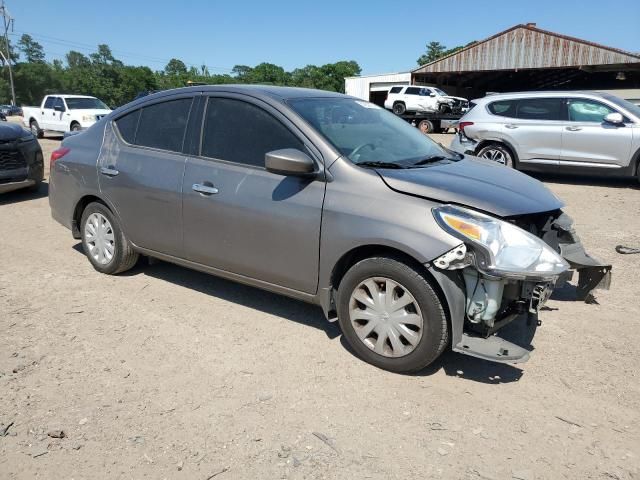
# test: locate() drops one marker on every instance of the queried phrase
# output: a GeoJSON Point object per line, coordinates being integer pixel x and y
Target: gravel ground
{"type": "Point", "coordinates": [168, 373]}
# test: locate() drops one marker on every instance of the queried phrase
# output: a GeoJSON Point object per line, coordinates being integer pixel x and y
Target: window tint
{"type": "Point", "coordinates": [127, 126]}
{"type": "Point", "coordinates": [503, 108]}
{"type": "Point", "coordinates": [240, 132]}
{"type": "Point", "coordinates": [58, 103]}
{"type": "Point", "coordinates": [584, 110]}
{"type": "Point", "coordinates": [413, 91]}
{"type": "Point", "coordinates": [540, 108]}
{"type": "Point", "coordinates": [48, 103]}
{"type": "Point", "coordinates": [163, 125]}
{"type": "Point", "coordinates": [395, 90]}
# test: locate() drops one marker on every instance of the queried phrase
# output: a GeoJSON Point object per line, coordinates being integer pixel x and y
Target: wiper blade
{"type": "Point", "coordinates": [431, 159]}
{"type": "Point", "coordinates": [380, 165]}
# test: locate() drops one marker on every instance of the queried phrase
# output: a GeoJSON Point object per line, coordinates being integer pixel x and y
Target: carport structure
{"type": "Point", "coordinates": [525, 57]}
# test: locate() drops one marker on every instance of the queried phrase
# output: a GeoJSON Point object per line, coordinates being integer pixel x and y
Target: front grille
{"type": "Point", "coordinates": [12, 160]}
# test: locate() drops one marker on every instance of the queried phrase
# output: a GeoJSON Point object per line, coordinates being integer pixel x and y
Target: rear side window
{"type": "Point", "coordinates": [163, 125]}
{"type": "Point", "coordinates": [503, 108]}
{"type": "Point", "coordinates": [413, 91]}
{"type": "Point", "coordinates": [48, 103]}
{"type": "Point", "coordinates": [540, 108]}
{"type": "Point", "coordinates": [240, 132]}
{"type": "Point", "coordinates": [128, 125]}
{"type": "Point", "coordinates": [395, 90]}
{"type": "Point", "coordinates": [585, 110]}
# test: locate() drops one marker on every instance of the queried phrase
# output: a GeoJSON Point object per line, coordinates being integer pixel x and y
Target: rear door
{"type": "Point", "coordinates": [589, 141]}
{"type": "Point", "coordinates": [247, 220]}
{"type": "Point", "coordinates": [140, 170]}
{"type": "Point", "coordinates": [47, 113]}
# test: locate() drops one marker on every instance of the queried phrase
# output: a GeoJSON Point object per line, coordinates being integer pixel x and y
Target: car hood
{"type": "Point", "coordinates": [476, 183]}
{"type": "Point", "coordinates": [11, 131]}
{"type": "Point", "coordinates": [449, 97]}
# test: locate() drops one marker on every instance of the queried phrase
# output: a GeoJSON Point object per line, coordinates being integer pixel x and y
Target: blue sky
{"type": "Point", "coordinates": [382, 36]}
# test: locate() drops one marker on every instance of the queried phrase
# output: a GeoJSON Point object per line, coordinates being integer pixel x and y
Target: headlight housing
{"type": "Point", "coordinates": [88, 118]}
{"type": "Point", "coordinates": [501, 248]}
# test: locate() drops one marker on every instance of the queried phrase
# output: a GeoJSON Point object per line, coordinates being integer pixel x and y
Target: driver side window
{"type": "Point", "coordinates": [585, 110]}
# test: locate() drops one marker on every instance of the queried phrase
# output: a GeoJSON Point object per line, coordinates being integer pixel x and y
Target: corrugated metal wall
{"type": "Point", "coordinates": [361, 86]}
{"type": "Point", "coordinates": [524, 47]}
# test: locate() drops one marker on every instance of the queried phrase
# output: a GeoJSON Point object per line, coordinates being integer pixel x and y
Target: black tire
{"type": "Point", "coordinates": [124, 256]}
{"type": "Point", "coordinates": [75, 127]}
{"type": "Point", "coordinates": [492, 150]}
{"type": "Point", "coordinates": [435, 333]}
{"type": "Point", "coordinates": [426, 126]}
{"type": "Point", "coordinates": [399, 108]}
{"type": "Point", "coordinates": [35, 129]}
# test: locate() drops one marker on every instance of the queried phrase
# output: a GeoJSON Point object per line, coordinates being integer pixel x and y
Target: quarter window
{"type": "Point", "coordinates": [128, 125]}
{"type": "Point", "coordinates": [540, 108]}
{"type": "Point", "coordinates": [163, 125]}
{"type": "Point", "coordinates": [584, 110]}
{"type": "Point", "coordinates": [503, 108]}
{"type": "Point", "coordinates": [413, 91]}
{"type": "Point", "coordinates": [240, 132]}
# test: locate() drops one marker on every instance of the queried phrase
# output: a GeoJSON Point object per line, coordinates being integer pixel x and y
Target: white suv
{"type": "Point", "coordinates": [402, 99]}
{"type": "Point", "coordinates": [554, 131]}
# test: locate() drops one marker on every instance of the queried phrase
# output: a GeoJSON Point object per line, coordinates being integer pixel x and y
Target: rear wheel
{"type": "Point", "coordinates": [35, 129]}
{"type": "Point", "coordinates": [399, 108]}
{"type": "Point", "coordinates": [390, 315]}
{"type": "Point", "coordinates": [103, 241]}
{"type": "Point", "coordinates": [497, 153]}
{"type": "Point", "coordinates": [426, 126]}
{"type": "Point", "coordinates": [75, 127]}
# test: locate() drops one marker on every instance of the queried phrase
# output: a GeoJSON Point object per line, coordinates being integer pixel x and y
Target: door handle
{"type": "Point", "coordinates": [204, 189]}
{"type": "Point", "coordinates": [109, 171]}
{"type": "Point", "coordinates": [573, 129]}
{"type": "Point", "coordinates": [511, 126]}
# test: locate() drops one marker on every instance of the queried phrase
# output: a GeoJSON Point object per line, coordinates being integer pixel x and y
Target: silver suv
{"type": "Point", "coordinates": [325, 198]}
{"type": "Point", "coordinates": [580, 132]}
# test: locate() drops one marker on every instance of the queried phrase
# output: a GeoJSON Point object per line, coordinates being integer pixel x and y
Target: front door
{"type": "Point", "coordinates": [588, 141]}
{"type": "Point", "coordinates": [140, 170]}
{"type": "Point", "coordinates": [240, 218]}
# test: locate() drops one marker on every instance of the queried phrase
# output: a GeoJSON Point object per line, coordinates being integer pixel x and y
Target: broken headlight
{"type": "Point", "coordinates": [501, 248]}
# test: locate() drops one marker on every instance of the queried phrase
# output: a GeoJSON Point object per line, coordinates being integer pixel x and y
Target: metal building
{"type": "Point", "coordinates": [525, 57]}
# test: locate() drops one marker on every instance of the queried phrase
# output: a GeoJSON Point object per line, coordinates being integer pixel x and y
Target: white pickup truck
{"type": "Point", "coordinates": [64, 113]}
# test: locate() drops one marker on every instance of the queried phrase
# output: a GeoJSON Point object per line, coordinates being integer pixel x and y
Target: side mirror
{"type": "Point", "coordinates": [58, 108]}
{"type": "Point", "coordinates": [614, 118]}
{"type": "Point", "coordinates": [432, 94]}
{"type": "Point", "coordinates": [289, 161]}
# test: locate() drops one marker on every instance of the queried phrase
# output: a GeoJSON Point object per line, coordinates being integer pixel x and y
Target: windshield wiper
{"type": "Point", "coordinates": [380, 165]}
{"type": "Point", "coordinates": [431, 159]}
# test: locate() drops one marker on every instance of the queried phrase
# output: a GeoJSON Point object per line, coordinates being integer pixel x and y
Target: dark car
{"type": "Point", "coordinates": [21, 161]}
{"type": "Point", "coordinates": [411, 247]}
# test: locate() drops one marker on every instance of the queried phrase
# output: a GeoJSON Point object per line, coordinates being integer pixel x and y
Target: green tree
{"type": "Point", "coordinates": [435, 50]}
{"type": "Point", "coordinates": [77, 60]}
{"type": "Point", "coordinates": [270, 74]}
{"type": "Point", "coordinates": [32, 50]}
{"type": "Point", "coordinates": [175, 67]}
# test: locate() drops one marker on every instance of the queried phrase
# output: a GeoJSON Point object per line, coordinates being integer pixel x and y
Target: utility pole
{"type": "Point", "coordinates": [7, 21]}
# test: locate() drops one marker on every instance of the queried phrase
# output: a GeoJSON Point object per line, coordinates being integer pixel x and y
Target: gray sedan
{"type": "Point", "coordinates": [411, 247]}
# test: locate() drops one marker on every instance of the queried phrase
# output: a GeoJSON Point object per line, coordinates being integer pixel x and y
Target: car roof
{"type": "Point", "coordinates": [64, 95]}
{"type": "Point", "coordinates": [541, 93]}
{"type": "Point", "coordinates": [282, 93]}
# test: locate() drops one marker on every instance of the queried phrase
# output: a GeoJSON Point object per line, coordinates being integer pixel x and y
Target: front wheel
{"type": "Point", "coordinates": [103, 241]}
{"type": "Point", "coordinates": [498, 153]}
{"type": "Point", "coordinates": [35, 129]}
{"type": "Point", "coordinates": [390, 315]}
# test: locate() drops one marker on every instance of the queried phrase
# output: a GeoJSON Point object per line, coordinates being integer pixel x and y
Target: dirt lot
{"type": "Point", "coordinates": [168, 373]}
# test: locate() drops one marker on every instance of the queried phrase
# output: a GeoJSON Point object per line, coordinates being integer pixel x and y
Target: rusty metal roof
{"type": "Point", "coordinates": [526, 46]}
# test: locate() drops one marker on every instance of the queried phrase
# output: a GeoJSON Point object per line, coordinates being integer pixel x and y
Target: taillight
{"type": "Point", "coordinates": [57, 155]}
{"type": "Point", "coordinates": [461, 126]}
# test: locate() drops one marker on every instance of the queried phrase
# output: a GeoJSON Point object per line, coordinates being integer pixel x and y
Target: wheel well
{"type": "Point", "coordinates": [366, 251]}
{"type": "Point", "coordinates": [506, 145]}
{"type": "Point", "coordinates": [32, 120]}
{"type": "Point", "coordinates": [75, 122]}
{"type": "Point", "coordinates": [77, 212]}
{"type": "Point", "coordinates": [398, 101]}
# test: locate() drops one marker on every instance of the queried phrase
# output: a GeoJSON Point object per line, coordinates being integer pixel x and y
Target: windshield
{"type": "Point", "coordinates": [630, 107]}
{"type": "Point", "coordinates": [441, 92]}
{"type": "Point", "coordinates": [85, 103]}
{"type": "Point", "coordinates": [366, 133]}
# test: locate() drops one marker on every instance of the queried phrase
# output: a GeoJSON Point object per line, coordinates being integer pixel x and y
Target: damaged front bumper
{"type": "Point", "coordinates": [481, 304]}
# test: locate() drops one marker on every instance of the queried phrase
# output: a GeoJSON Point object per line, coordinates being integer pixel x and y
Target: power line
{"type": "Point", "coordinates": [88, 47]}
